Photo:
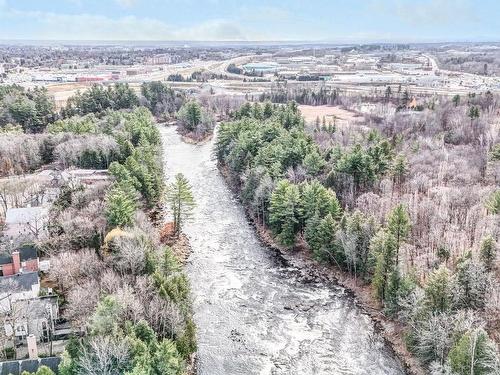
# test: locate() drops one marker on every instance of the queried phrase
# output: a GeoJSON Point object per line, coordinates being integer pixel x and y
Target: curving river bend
{"type": "Point", "coordinates": [254, 312]}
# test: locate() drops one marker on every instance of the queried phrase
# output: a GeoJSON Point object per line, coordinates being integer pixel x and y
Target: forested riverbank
{"type": "Point", "coordinates": [315, 270]}
{"type": "Point", "coordinates": [288, 177]}
{"type": "Point", "coordinates": [254, 309]}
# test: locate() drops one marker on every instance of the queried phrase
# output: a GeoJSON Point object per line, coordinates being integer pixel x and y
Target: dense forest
{"type": "Point", "coordinates": [87, 133]}
{"type": "Point", "coordinates": [405, 203]}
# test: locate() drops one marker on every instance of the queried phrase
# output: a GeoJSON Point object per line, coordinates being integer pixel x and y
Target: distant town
{"type": "Point", "coordinates": [431, 68]}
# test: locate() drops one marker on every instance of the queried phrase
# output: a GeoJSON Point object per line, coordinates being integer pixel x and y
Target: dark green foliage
{"type": "Point", "coordinates": [190, 115]}
{"type": "Point", "coordinates": [161, 100]}
{"type": "Point", "coordinates": [120, 208]}
{"type": "Point", "coordinates": [314, 163]}
{"type": "Point", "coordinates": [354, 237]}
{"type": "Point", "coordinates": [357, 163]}
{"type": "Point", "coordinates": [473, 354]}
{"type": "Point", "coordinates": [98, 99]}
{"type": "Point", "coordinates": [320, 234]}
{"type": "Point", "coordinates": [33, 109]}
{"type": "Point", "coordinates": [495, 152]}
{"type": "Point", "coordinates": [488, 252]}
{"type": "Point", "coordinates": [399, 170]}
{"type": "Point", "coordinates": [383, 247]}
{"type": "Point", "coordinates": [194, 120]}
{"type": "Point", "coordinates": [472, 283]}
{"type": "Point", "coordinates": [77, 125]}
{"type": "Point", "coordinates": [141, 168]}
{"type": "Point", "coordinates": [285, 212]}
{"type": "Point", "coordinates": [473, 113]}
{"type": "Point", "coordinates": [493, 203]}
{"type": "Point", "coordinates": [398, 223]}
{"type": "Point", "coordinates": [443, 253]}
{"type": "Point", "coordinates": [438, 296]}
{"type": "Point", "coordinates": [316, 199]}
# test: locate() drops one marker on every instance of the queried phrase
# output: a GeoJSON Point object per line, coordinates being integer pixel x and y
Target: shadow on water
{"type": "Point", "coordinates": [255, 312]}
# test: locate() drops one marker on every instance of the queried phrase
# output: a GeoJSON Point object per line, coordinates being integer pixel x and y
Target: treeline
{"type": "Point", "coordinates": [322, 95]}
{"type": "Point", "coordinates": [88, 133]}
{"type": "Point", "coordinates": [196, 76]}
{"type": "Point", "coordinates": [313, 196]}
{"type": "Point", "coordinates": [158, 97]}
{"type": "Point", "coordinates": [83, 142]}
{"type": "Point", "coordinates": [31, 111]}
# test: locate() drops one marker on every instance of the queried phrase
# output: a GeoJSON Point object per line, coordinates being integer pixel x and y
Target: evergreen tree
{"type": "Point", "coordinates": [268, 110]}
{"type": "Point", "coordinates": [166, 360]}
{"type": "Point", "coordinates": [383, 247]}
{"type": "Point", "coordinates": [474, 354]}
{"type": "Point", "coordinates": [106, 317]}
{"type": "Point", "coordinates": [471, 284]}
{"type": "Point", "coordinates": [473, 113]}
{"type": "Point", "coordinates": [355, 236]}
{"type": "Point", "coordinates": [314, 163]}
{"type": "Point", "coordinates": [191, 115]}
{"type": "Point", "coordinates": [488, 252]}
{"type": "Point", "coordinates": [399, 170]}
{"type": "Point", "coordinates": [318, 199]}
{"type": "Point", "coordinates": [120, 208]}
{"type": "Point", "coordinates": [312, 233]}
{"type": "Point", "coordinates": [327, 235]}
{"type": "Point", "coordinates": [391, 298]}
{"type": "Point", "coordinates": [493, 203]}
{"type": "Point", "coordinates": [495, 152]}
{"type": "Point", "coordinates": [285, 212]}
{"type": "Point", "coordinates": [181, 201]}
{"type": "Point", "coordinates": [438, 290]}
{"type": "Point", "coordinates": [358, 164]}
{"type": "Point", "coordinates": [398, 223]}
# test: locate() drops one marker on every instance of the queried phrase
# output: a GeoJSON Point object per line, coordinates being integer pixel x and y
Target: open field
{"type": "Point", "coordinates": [333, 114]}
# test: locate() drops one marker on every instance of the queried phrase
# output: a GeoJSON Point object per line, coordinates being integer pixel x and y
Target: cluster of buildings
{"type": "Point", "coordinates": [29, 312]}
{"type": "Point", "coordinates": [29, 309]}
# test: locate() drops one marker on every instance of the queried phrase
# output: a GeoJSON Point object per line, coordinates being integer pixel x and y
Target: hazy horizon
{"type": "Point", "coordinates": [255, 21]}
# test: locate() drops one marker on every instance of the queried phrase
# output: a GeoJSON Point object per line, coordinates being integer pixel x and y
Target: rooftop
{"type": "Point", "coordinates": [24, 282]}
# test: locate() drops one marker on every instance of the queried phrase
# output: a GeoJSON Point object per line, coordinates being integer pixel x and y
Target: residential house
{"type": "Point", "coordinates": [23, 259]}
{"type": "Point", "coordinates": [35, 316]}
{"type": "Point", "coordinates": [21, 286]}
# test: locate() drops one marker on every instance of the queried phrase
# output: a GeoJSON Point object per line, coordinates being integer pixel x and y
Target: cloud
{"type": "Point", "coordinates": [213, 30]}
{"type": "Point", "coordinates": [126, 3]}
{"type": "Point", "coordinates": [50, 25]}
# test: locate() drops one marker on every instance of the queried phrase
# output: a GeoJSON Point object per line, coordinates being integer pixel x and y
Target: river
{"type": "Point", "coordinates": [256, 313]}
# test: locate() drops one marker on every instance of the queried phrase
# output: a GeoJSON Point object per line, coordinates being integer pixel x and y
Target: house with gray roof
{"type": "Point", "coordinates": [17, 287]}
{"type": "Point", "coordinates": [30, 365]}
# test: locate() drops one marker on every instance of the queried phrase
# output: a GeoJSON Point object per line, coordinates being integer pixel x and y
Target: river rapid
{"type": "Point", "coordinates": [255, 312]}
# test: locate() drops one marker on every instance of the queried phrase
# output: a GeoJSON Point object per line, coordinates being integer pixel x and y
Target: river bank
{"type": "Point", "coordinates": [255, 312]}
{"type": "Point", "coordinates": [300, 257]}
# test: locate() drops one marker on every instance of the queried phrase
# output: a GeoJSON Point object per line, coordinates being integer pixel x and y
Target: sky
{"type": "Point", "coordinates": [335, 21]}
